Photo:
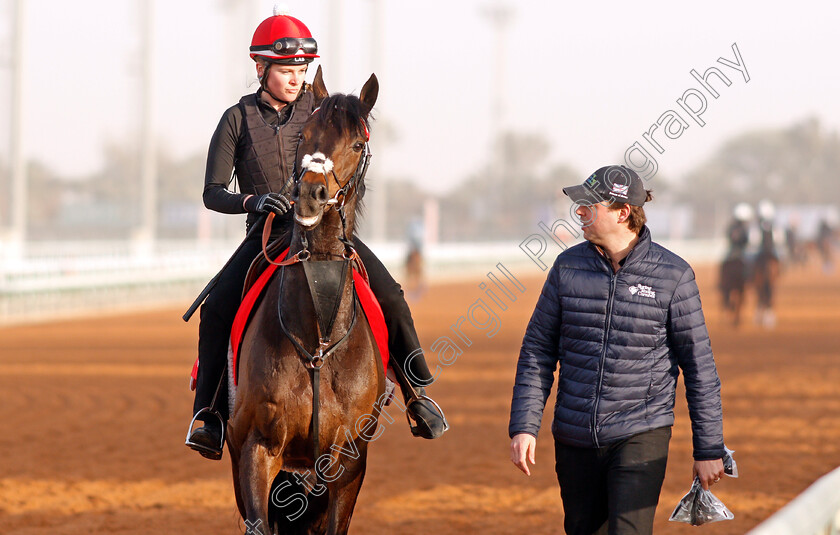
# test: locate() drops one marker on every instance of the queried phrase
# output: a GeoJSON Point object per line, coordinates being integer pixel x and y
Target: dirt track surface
{"type": "Point", "coordinates": [95, 413]}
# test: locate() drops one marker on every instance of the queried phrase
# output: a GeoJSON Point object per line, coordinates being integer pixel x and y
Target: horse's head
{"type": "Point", "coordinates": [333, 151]}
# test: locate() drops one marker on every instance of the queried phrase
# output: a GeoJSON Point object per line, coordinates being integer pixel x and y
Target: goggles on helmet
{"type": "Point", "coordinates": [289, 46]}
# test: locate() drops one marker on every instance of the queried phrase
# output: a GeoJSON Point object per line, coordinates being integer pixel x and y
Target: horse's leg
{"type": "Point", "coordinates": [234, 444]}
{"type": "Point", "coordinates": [237, 490]}
{"type": "Point", "coordinates": [346, 491]}
{"type": "Point", "coordinates": [257, 469]}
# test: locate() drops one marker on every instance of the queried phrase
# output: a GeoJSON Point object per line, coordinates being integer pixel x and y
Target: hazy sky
{"type": "Point", "coordinates": [591, 77]}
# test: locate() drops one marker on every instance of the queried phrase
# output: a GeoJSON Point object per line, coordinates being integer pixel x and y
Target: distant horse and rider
{"type": "Point", "coordinates": [742, 268]}
{"type": "Point", "coordinates": [415, 283]}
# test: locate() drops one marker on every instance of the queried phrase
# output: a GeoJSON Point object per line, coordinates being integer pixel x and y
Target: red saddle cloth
{"type": "Point", "coordinates": [370, 306]}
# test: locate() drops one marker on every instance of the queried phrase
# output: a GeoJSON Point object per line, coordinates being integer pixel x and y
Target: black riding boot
{"type": "Point", "coordinates": [217, 315]}
{"type": "Point", "coordinates": [211, 383]}
{"type": "Point", "coordinates": [428, 417]}
{"type": "Point", "coordinates": [208, 440]}
{"type": "Point", "coordinates": [404, 347]}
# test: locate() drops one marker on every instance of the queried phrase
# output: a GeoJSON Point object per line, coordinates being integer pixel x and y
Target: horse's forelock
{"type": "Point", "coordinates": [343, 112]}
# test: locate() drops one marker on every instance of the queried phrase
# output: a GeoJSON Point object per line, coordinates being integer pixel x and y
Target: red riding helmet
{"type": "Point", "coordinates": [283, 39]}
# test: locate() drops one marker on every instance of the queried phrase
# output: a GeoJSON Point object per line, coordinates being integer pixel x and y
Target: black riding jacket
{"type": "Point", "coordinates": [255, 144]}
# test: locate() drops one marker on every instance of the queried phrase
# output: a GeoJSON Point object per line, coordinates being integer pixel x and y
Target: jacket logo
{"type": "Point", "coordinates": [642, 291]}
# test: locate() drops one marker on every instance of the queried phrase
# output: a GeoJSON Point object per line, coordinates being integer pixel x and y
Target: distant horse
{"type": "Point", "coordinates": [765, 273]}
{"type": "Point", "coordinates": [309, 370]}
{"type": "Point", "coordinates": [732, 281]}
{"type": "Point", "coordinates": [415, 284]}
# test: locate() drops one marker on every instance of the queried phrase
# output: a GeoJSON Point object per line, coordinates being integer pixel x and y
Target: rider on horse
{"type": "Point", "coordinates": [734, 270]}
{"type": "Point", "coordinates": [738, 233]}
{"type": "Point", "coordinates": [256, 140]}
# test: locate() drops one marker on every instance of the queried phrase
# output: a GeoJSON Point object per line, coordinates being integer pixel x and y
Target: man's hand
{"type": "Point", "coordinates": [709, 472]}
{"type": "Point", "coordinates": [522, 447]}
{"type": "Point", "coordinates": [270, 202]}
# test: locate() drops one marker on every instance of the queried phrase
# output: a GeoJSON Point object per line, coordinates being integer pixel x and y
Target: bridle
{"type": "Point", "coordinates": [337, 201]}
{"type": "Point", "coordinates": [353, 183]}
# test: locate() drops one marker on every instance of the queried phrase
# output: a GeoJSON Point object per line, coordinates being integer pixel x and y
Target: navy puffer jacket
{"type": "Point", "coordinates": [620, 339]}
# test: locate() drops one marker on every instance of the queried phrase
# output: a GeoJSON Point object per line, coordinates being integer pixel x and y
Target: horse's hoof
{"type": "Point", "coordinates": [431, 423]}
{"type": "Point", "coordinates": [206, 440]}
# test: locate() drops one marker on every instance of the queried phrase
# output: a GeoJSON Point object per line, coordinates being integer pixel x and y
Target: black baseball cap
{"type": "Point", "coordinates": [614, 183]}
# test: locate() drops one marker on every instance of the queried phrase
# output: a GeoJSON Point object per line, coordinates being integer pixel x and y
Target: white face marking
{"type": "Point", "coordinates": [317, 163]}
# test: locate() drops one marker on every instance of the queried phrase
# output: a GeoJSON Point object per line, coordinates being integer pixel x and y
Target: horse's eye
{"type": "Point", "coordinates": [358, 146]}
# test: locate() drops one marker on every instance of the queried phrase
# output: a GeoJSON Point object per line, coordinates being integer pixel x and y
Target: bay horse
{"type": "Point", "coordinates": [309, 370]}
{"type": "Point", "coordinates": [765, 275]}
{"type": "Point", "coordinates": [735, 269]}
{"type": "Point", "coordinates": [732, 281]}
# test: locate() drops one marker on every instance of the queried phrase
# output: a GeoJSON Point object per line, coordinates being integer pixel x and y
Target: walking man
{"type": "Point", "coordinates": [621, 316]}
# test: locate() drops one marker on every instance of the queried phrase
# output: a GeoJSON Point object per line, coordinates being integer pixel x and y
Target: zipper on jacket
{"type": "Point", "coordinates": [280, 146]}
{"type": "Point", "coordinates": [613, 277]}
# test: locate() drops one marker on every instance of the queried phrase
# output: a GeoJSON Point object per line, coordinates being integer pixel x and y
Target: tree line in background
{"type": "Point", "coordinates": [797, 164]}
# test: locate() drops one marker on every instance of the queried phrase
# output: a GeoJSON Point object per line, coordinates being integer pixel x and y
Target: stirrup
{"type": "Point", "coordinates": [414, 399]}
{"type": "Point", "coordinates": [201, 448]}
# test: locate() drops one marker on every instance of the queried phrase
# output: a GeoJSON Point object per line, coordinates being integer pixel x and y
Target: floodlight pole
{"type": "Point", "coordinates": [499, 15]}
{"type": "Point", "coordinates": [148, 155]}
{"type": "Point", "coordinates": [19, 194]}
{"type": "Point", "coordinates": [379, 191]}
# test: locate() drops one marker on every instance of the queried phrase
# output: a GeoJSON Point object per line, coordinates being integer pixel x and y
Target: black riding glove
{"type": "Point", "coordinates": [270, 202]}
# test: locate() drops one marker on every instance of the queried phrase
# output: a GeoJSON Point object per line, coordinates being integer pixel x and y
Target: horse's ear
{"type": "Point", "coordinates": [318, 86]}
{"type": "Point", "coordinates": [369, 92]}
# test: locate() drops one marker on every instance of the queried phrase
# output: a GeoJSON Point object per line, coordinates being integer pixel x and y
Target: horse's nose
{"type": "Point", "coordinates": [319, 193]}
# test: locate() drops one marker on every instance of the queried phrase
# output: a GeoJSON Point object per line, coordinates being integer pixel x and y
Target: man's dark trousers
{"type": "Point", "coordinates": [613, 489]}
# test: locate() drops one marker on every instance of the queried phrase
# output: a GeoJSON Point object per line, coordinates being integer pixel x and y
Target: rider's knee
{"type": "Point", "coordinates": [218, 311]}
{"type": "Point", "coordinates": [392, 301]}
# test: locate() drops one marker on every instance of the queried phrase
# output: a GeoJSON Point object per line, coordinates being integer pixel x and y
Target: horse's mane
{"type": "Point", "coordinates": [343, 112]}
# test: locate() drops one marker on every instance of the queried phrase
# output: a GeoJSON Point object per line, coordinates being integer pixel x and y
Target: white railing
{"type": "Point", "coordinates": [62, 279]}
{"type": "Point", "coordinates": [814, 512]}
{"type": "Point", "coordinates": [59, 280]}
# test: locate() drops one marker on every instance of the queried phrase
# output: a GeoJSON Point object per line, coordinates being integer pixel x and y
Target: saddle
{"type": "Point", "coordinates": [259, 275]}
{"type": "Point", "coordinates": [260, 263]}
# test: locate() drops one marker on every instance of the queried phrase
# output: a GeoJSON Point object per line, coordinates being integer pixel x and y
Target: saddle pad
{"type": "Point", "coordinates": [370, 306]}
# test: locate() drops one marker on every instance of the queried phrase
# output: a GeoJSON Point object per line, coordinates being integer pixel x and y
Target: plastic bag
{"type": "Point", "coordinates": [700, 507]}
{"type": "Point", "coordinates": [730, 468]}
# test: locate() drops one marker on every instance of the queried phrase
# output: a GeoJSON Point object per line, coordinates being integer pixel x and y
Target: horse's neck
{"type": "Point", "coordinates": [323, 243]}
